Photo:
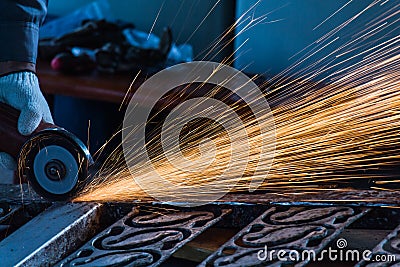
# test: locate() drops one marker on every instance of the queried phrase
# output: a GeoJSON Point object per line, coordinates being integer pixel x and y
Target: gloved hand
{"type": "Point", "coordinates": [21, 90]}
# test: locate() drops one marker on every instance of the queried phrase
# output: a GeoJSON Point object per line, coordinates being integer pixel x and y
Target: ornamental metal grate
{"type": "Point", "coordinates": [232, 232]}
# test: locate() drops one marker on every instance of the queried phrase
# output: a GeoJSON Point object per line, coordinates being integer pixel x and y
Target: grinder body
{"type": "Point", "coordinates": [52, 160]}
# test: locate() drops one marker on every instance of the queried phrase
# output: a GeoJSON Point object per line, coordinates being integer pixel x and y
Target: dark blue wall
{"type": "Point", "coordinates": [270, 46]}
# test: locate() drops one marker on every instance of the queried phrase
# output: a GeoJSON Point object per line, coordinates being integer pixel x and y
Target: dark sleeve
{"type": "Point", "coordinates": [19, 29]}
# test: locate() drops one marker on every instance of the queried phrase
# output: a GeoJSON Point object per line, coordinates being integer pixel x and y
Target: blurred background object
{"type": "Point", "coordinates": [189, 30]}
{"type": "Point", "coordinates": [192, 26]}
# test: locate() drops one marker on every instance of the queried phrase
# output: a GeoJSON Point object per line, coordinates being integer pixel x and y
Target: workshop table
{"type": "Point", "coordinates": [95, 86]}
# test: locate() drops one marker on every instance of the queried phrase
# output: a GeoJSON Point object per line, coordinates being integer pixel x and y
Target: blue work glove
{"type": "Point", "coordinates": [21, 90]}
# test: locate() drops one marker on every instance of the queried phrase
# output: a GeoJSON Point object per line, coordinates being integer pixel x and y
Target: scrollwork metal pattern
{"type": "Point", "coordinates": [389, 247]}
{"type": "Point", "coordinates": [143, 239]}
{"type": "Point", "coordinates": [291, 228]}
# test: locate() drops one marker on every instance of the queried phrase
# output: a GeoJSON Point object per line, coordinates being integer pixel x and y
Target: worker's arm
{"type": "Point", "coordinates": [20, 21]}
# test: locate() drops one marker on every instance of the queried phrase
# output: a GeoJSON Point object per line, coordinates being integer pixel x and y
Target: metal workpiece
{"type": "Point", "coordinates": [51, 235]}
{"type": "Point", "coordinates": [6, 212]}
{"type": "Point", "coordinates": [312, 197]}
{"type": "Point", "coordinates": [388, 246]}
{"type": "Point", "coordinates": [280, 228]}
{"type": "Point", "coordinates": [13, 216]}
{"type": "Point", "coordinates": [144, 238]}
{"type": "Point", "coordinates": [230, 233]}
{"type": "Point", "coordinates": [24, 194]}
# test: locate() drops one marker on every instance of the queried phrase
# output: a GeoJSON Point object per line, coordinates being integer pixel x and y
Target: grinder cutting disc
{"type": "Point", "coordinates": [55, 162]}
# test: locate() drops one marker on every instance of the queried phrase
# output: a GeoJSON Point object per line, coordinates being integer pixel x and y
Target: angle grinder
{"type": "Point", "coordinates": [54, 161]}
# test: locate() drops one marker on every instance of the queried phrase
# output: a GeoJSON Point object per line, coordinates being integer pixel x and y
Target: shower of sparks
{"type": "Point", "coordinates": [155, 20]}
{"type": "Point", "coordinates": [342, 127]}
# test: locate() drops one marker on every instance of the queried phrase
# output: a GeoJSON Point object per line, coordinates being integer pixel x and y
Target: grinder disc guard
{"type": "Point", "coordinates": [55, 162]}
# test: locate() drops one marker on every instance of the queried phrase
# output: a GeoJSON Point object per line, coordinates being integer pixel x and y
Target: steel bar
{"type": "Point", "coordinates": [350, 197]}
{"type": "Point", "coordinates": [144, 238]}
{"type": "Point", "coordinates": [13, 216]}
{"type": "Point", "coordinates": [347, 197]}
{"type": "Point", "coordinates": [287, 229]}
{"type": "Point", "coordinates": [50, 236]}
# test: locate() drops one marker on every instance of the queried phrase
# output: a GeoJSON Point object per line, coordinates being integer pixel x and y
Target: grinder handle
{"type": "Point", "coordinates": [11, 141]}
